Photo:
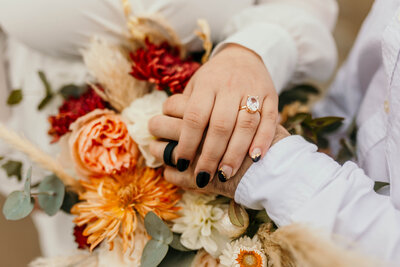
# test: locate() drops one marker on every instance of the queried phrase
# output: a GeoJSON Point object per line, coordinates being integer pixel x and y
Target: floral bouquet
{"type": "Point", "coordinates": [126, 213]}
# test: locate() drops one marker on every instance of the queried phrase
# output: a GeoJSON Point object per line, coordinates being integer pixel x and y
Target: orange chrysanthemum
{"type": "Point", "coordinates": [249, 258]}
{"type": "Point", "coordinates": [111, 204]}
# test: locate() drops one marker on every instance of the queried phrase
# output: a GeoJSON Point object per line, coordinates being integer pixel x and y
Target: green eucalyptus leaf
{"type": "Point", "coordinates": [70, 199]}
{"type": "Point", "coordinates": [15, 97]}
{"type": "Point", "coordinates": [27, 186]}
{"type": "Point", "coordinates": [153, 253]}
{"type": "Point", "coordinates": [17, 206]}
{"type": "Point", "coordinates": [49, 92]}
{"type": "Point", "coordinates": [13, 168]}
{"type": "Point", "coordinates": [51, 194]}
{"type": "Point", "coordinates": [72, 90]}
{"type": "Point", "coordinates": [157, 229]}
{"type": "Point", "coordinates": [177, 258]}
{"type": "Point", "coordinates": [176, 243]}
{"type": "Point", "coordinates": [235, 214]}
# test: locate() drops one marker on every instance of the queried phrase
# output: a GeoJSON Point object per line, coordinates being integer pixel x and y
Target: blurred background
{"type": "Point", "coordinates": [18, 240]}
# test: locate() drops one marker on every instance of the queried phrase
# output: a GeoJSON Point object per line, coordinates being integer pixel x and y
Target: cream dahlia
{"type": "Point", "coordinates": [197, 223]}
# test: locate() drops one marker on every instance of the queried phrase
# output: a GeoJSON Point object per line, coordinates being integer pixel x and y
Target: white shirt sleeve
{"type": "Point", "coordinates": [295, 183]}
{"type": "Point", "coordinates": [292, 37]}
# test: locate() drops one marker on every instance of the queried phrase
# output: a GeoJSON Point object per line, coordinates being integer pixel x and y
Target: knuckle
{"type": "Point", "coordinates": [271, 115]}
{"type": "Point", "coordinates": [195, 119]}
{"type": "Point", "coordinates": [248, 123]}
{"type": "Point", "coordinates": [209, 159]}
{"type": "Point", "coordinates": [153, 125]}
{"type": "Point", "coordinates": [220, 127]}
{"type": "Point", "coordinates": [168, 106]}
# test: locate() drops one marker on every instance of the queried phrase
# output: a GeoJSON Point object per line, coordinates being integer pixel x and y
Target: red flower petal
{"type": "Point", "coordinates": [162, 65]}
{"type": "Point", "coordinates": [71, 110]}
{"type": "Point", "coordinates": [80, 239]}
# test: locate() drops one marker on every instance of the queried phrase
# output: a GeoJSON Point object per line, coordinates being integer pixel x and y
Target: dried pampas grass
{"type": "Point", "coordinates": [110, 67]}
{"type": "Point", "coordinates": [297, 246]}
{"type": "Point", "coordinates": [151, 26]}
{"type": "Point", "coordinates": [204, 33]}
{"type": "Point", "coordinates": [38, 156]}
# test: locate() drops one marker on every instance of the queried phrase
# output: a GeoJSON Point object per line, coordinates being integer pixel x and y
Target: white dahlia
{"type": "Point", "coordinates": [243, 252]}
{"type": "Point", "coordinates": [198, 221]}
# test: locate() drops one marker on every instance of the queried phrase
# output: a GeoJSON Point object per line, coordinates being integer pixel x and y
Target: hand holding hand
{"type": "Point", "coordinates": [212, 99]}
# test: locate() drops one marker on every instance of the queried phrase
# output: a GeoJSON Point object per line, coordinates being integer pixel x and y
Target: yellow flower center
{"type": "Point", "coordinates": [249, 259]}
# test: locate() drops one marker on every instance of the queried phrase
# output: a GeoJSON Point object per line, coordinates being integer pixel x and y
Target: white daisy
{"type": "Point", "coordinates": [197, 223]}
{"type": "Point", "coordinates": [244, 252]}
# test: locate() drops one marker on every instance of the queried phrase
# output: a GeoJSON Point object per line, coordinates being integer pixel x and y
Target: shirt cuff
{"type": "Point", "coordinates": [273, 44]}
{"type": "Point", "coordinates": [290, 174]}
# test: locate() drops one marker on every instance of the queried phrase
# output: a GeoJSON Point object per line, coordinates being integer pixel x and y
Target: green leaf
{"type": "Point", "coordinates": [70, 199]}
{"type": "Point", "coordinates": [27, 186]}
{"type": "Point", "coordinates": [347, 151]}
{"type": "Point", "coordinates": [153, 253]}
{"type": "Point", "coordinates": [13, 168]}
{"type": "Point", "coordinates": [176, 243]}
{"type": "Point", "coordinates": [219, 200]}
{"type": "Point", "coordinates": [176, 258]}
{"type": "Point", "coordinates": [15, 97]}
{"type": "Point", "coordinates": [51, 194]}
{"type": "Point", "coordinates": [1, 158]}
{"type": "Point", "coordinates": [379, 185]}
{"type": "Point", "coordinates": [157, 229]}
{"type": "Point", "coordinates": [17, 206]}
{"type": "Point", "coordinates": [72, 90]}
{"type": "Point", "coordinates": [324, 122]}
{"type": "Point", "coordinates": [299, 93]}
{"type": "Point", "coordinates": [235, 214]}
{"type": "Point", "coordinates": [262, 217]}
{"type": "Point", "coordinates": [49, 92]}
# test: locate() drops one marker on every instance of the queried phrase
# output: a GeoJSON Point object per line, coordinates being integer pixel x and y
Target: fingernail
{"type": "Point", "coordinates": [182, 165]}
{"type": "Point", "coordinates": [202, 179]}
{"type": "Point", "coordinates": [224, 173]}
{"type": "Point", "coordinates": [255, 154]}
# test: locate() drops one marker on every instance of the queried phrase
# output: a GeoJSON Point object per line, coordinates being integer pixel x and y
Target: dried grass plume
{"type": "Point", "coordinates": [110, 67]}
{"type": "Point", "coordinates": [296, 245]}
{"type": "Point", "coordinates": [38, 156]}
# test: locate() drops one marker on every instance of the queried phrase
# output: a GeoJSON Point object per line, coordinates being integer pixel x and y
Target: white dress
{"type": "Point", "coordinates": [292, 36]}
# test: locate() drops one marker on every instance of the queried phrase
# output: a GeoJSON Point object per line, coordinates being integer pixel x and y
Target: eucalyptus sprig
{"type": "Point", "coordinates": [49, 193]}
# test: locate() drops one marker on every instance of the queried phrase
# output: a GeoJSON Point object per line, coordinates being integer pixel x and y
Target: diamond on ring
{"type": "Point", "coordinates": [252, 104]}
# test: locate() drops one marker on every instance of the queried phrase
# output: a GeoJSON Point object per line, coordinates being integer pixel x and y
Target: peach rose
{"type": "Point", "coordinates": [100, 144]}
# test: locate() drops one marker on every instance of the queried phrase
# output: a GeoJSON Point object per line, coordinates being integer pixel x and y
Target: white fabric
{"type": "Point", "coordinates": [291, 36]}
{"type": "Point", "coordinates": [294, 183]}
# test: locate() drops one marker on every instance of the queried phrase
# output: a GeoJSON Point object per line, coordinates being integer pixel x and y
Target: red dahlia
{"type": "Point", "coordinates": [162, 65]}
{"type": "Point", "coordinates": [71, 110]}
{"type": "Point", "coordinates": [80, 239]}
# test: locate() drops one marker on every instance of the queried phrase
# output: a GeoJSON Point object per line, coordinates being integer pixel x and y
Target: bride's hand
{"type": "Point", "coordinates": [212, 99]}
{"type": "Point", "coordinates": [165, 127]}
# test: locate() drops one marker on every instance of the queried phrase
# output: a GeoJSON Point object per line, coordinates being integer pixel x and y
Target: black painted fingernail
{"type": "Point", "coordinates": [256, 159]}
{"type": "Point", "coordinates": [202, 179]}
{"type": "Point", "coordinates": [256, 155]}
{"type": "Point", "coordinates": [182, 165]}
{"type": "Point", "coordinates": [222, 176]}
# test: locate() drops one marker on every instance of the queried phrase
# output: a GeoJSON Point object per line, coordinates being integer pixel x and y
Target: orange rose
{"type": "Point", "coordinates": [100, 144]}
